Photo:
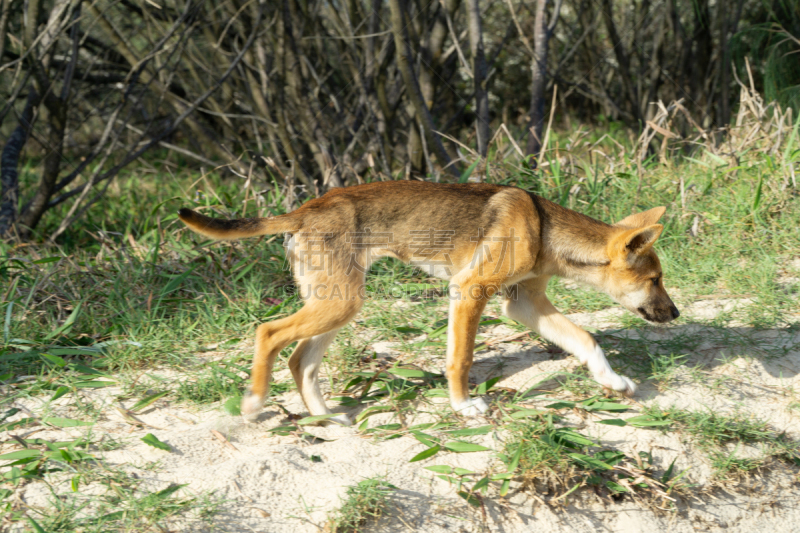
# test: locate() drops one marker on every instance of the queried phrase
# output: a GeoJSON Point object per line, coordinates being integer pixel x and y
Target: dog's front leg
{"type": "Point", "coordinates": [533, 309]}
{"type": "Point", "coordinates": [465, 315]}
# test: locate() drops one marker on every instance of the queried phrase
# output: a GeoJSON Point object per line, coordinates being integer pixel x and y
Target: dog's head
{"type": "Point", "coordinates": [633, 276]}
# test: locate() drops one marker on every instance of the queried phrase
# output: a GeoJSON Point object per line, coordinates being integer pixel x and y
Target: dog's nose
{"type": "Point", "coordinates": [675, 312]}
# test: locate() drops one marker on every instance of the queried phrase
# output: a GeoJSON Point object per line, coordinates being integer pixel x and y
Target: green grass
{"type": "Point", "coordinates": [116, 502]}
{"type": "Point", "coordinates": [128, 292]}
{"type": "Point", "coordinates": [365, 501]}
{"type": "Point", "coordinates": [548, 456]}
{"type": "Point", "coordinates": [721, 436]}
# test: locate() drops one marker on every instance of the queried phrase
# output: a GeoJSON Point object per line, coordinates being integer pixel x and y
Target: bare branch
{"type": "Point", "coordinates": [404, 64]}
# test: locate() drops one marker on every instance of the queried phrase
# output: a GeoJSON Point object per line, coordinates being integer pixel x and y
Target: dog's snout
{"type": "Point", "coordinates": [675, 312]}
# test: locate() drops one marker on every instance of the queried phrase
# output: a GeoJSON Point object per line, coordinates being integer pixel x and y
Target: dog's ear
{"type": "Point", "coordinates": [640, 241]}
{"type": "Point", "coordinates": [645, 218]}
{"type": "Point", "coordinates": [629, 243]}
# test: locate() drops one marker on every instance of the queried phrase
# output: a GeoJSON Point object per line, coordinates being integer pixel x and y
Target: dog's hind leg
{"type": "Point", "coordinates": [317, 318]}
{"type": "Point", "coordinates": [528, 305]}
{"type": "Point", "coordinates": [304, 364]}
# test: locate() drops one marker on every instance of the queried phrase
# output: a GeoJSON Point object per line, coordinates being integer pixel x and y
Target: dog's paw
{"type": "Point", "coordinates": [251, 407]}
{"type": "Point", "coordinates": [620, 384]}
{"type": "Point", "coordinates": [341, 419]}
{"type": "Point", "coordinates": [471, 407]}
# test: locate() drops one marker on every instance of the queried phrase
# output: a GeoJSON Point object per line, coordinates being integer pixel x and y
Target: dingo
{"type": "Point", "coordinates": [483, 238]}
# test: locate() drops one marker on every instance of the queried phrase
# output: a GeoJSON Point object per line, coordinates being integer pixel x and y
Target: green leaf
{"type": "Point", "coordinates": [153, 441]}
{"type": "Point", "coordinates": [148, 400]}
{"type": "Point", "coordinates": [561, 405]}
{"type": "Point", "coordinates": [437, 332]}
{"type": "Point", "coordinates": [387, 427]}
{"type": "Point", "coordinates": [61, 391]}
{"type": "Point", "coordinates": [373, 410]}
{"type": "Point", "coordinates": [176, 282]}
{"type": "Point", "coordinates": [244, 271]}
{"type": "Point", "coordinates": [611, 457]}
{"type": "Point", "coordinates": [65, 422]}
{"type": "Point", "coordinates": [83, 369]}
{"type": "Point", "coordinates": [504, 487]}
{"type": "Point", "coordinates": [643, 421]}
{"type": "Point", "coordinates": [413, 373]}
{"type": "Point", "coordinates": [563, 434]}
{"type": "Point", "coordinates": [7, 323]}
{"type": "Point", "coordinates": [232, 406]}
{"type": "Point", "coordinates": [469, 432]}
{"type": "Point", "coordinates": [440, 469]}
{"type": "Point", "coordinates": [8, 414]}
{"type": "Point", "coordinates": [166, 493]}
{"type": "Point", "coordinates": [20, 454]}
{"type": "Point", "coordinates": [482, 482]}
{"type": "Point", "coordinates": [63, 328]}
{"type": "Point", "coordinates": [471, 498]}
{"type": "Point", "coordinates": [424, 438]}
{"type": "Point", "coordinates": [613, 422]}
{"type": "Point", "coordinates": [69, 350]}
{"type": "Point", "coordinates": [16, 424]}
{"type": "Point", "coordinates": [426, 425]}
{"type": "Point", "coordinates": [615, 487]}
{"type": "Point", "coordinates": [314, 419]}
{"type": "Point", "coordinates": [45, 260]}
{"type": "Point", "coordinates": [465, 447]}
{"type": "Point", "coordinates": [604, 406]}
{"type": "Point", "coordinates": [591, 462]}
{"type": "Point", "coordinates": [36, 527]}
{"type": "Point", "coordinates": [408, 395]}
{"type": "Point", "coordinates": [424, 454]}
{"type": "Point", "coordinates": [523, 413]}
{"type": "Point", "coordinates": [484, 387]}
{"type": "Point", "coordinates": [94, 384]}
{"type": "Point", "coordinates": [56, 360]}
{"type": "Point", "coordinates": [515, 460]}
{"type": "Point", "coordinates": [468, 172]}
{"type": "Point", "coordinates": [282, 430]}
{"type": "Point", "coordinates": [570, 491]}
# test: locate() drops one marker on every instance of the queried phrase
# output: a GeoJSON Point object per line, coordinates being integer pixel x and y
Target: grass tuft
{"type": "Point", "coordinates": [722, 437]}
{"type": "Point", "coordinates": [365, 501]}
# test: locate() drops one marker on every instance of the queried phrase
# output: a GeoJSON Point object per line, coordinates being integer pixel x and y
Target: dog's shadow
{"type": "Point", "coordinates": [764, 359]}
{"type": "Point", "coordinates": [742, 357]}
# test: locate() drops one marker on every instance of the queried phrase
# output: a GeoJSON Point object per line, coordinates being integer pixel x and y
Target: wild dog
{"type": "Point", "coordinates": [492, 239]}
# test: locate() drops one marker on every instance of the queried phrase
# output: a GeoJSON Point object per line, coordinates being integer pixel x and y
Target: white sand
{"type": "Point", "coordinates": [270, 483]}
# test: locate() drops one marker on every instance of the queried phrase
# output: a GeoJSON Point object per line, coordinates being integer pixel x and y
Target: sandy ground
{"type": "Point", "coordinates": [271, 484]}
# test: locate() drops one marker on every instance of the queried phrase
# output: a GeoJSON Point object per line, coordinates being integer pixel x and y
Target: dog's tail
{"type": "Point", "coordinates": [219, 228]}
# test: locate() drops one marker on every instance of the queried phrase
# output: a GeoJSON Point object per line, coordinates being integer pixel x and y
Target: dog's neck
{"type": "Point", "coordinates": [574, 244]}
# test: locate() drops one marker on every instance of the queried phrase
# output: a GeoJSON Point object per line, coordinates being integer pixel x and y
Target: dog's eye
{"type": "Point", "coordinates": [656, 280]}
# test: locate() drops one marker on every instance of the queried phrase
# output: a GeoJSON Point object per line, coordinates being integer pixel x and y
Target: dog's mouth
{"type": "Point", "coordinates": [658, 315]}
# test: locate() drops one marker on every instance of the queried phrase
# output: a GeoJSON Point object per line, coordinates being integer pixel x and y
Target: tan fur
{"type": "Point", "coordinates": [483, 238]}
